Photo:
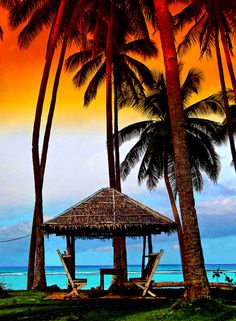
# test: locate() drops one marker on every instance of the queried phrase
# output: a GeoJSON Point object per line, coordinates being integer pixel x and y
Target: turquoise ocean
{"type": "Point", "coordinates": [15, 278]}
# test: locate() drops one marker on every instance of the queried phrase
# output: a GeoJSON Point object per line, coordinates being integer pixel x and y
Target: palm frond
{"type": "Point", "coordinates": [143, 71]}
{"type": "Point", "coordinates": [191, 37]}
{"type": "Point", "coordinates": [170, 168]}
{"type": "Point", "coordinates": [22, 11]}
{"type": "Point", "coordinates": [134, 155]}
{"type": "Point", "coordinates": [8, 4]}
{"type": "Point", "coordinates": [94, 84]}
{"type": "Point", "coordinates": [136, 23]}
{"type": "Point", "coordinates": [197, 179]}
{"type": "Point", "coordinates": [131, 80]}
{"type": "Point", "coordinates": [86, 70]}
{"type": "Point", "coordinates": [207, 39]}
{"type": "Point", "coordinates": [75, 60]}
{"type": "Point", "coordinates": [203, 155]}
{"type": "Point", "coordinates": [41, 18]}
{"type": "Point", "coordinates": [149, 11]}
{"type": "Point", "coordinates": [155, 104]}
{"type": "Point", "coordinates": [188, 15]}
{"type": "Point", "coordinates": [212, 105]}
{"type": "Point", "coordinates": [132, 131]}
{"type": "Point", "coordinates": [213, 130]}
{"type": "Point", "coordinates": [152, 165]}
{"type": "Point", "coordinates": [144, 47]}
{"type": "Point", "coordinates": [191, 84]}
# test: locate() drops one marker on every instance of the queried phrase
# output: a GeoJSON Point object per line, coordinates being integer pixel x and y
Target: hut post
{"type": "Point", "coordinates": [73, 257]}
{"type": "Point", "coordinates": [70, 245]}
{"type": "Point", "coordinates": [150, 247]}
{"type": "Point", "coordinates": [144, 253]}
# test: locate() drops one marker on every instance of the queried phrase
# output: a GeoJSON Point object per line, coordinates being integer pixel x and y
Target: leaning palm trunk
{"type": "Point", "coordinates": [109, 129]}
{"type": "Point", "coordinates": [195, 275]}
{"type": "Point", "coordinates": [116, 139]}
{"type": "Point", "coordinates": [32, 251]}
{"type": "Point", "coordinates": [226, 48]}
{"type": "Point", "coordinates": [119, 243]}
{"type": "Point", "coordinates": [43, 159]}
{"type": "Point", "coordinates": [39, 276]}
{"type": "Point", "coordinates": [225, 98]}
{"type": "Point", "coordinates": [177, 220]}
{"type": "Point", "coordinates": [229, 64]}
{"type": "Point", "coordinates": [52, 108]}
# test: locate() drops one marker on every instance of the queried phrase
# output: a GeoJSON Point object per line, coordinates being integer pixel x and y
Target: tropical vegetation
{"type": "Point", "coordinates": [33, 305]}
{"type": "Point", "coordinates": [210, 22]}
{"type": "Point", "coordinates": [108, 33]}
{"type": "Point", "coordinates": [120, 69]}
{"type": "Point", "coordinates": [154, 148]}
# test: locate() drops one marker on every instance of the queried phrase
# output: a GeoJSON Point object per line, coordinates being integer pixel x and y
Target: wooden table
{"type": "Point", "coordinates": [109, 272]}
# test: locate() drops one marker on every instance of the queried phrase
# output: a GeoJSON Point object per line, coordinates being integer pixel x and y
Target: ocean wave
{"type": "Point", "coordinates": [55, 273]}
{"type": "Point", "coordinates": [87, 272]}
{"type": "Point", "coordinates": [11, 274]}
{"type": "Point", "coordinates": [223, 271]}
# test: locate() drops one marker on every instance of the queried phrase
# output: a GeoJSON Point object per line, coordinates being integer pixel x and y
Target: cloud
{"type": "Point", "coordinates": [175, 247]}
{"type": "Point", "coordinates": [15, 231]}
{"type": "Point", "coordinates": [77, 167]}
{"type": "Point", "coordinates": [221, 206]}
{"type": "Point", "coordinates": [101, 249]}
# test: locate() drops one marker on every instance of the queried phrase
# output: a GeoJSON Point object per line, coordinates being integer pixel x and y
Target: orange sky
{"type": "Point", "coordinates": [20, 78]}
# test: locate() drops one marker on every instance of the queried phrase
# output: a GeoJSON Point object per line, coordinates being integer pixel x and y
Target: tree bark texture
{"type": "Point", "coordinates": [116, 140]}
{"type": "Point", "coordinates": [226, 102]}
{"type": "Point", "coordinates": [177, 220]}
{"type": "Point", "coordinates": [119, 243]}
{"type": "Point", "coordinates": [225, 46]}
{"type": "Point", "coordinates": [195, 275]}
{"type": "Point", "coordinates": [52, 108]}
{"type": "Point", "coordinates": [39, 276]}
{"type": "Point", "coordinates": [109, 122]}
{"type": "Point", "coordinates": [32, 250]}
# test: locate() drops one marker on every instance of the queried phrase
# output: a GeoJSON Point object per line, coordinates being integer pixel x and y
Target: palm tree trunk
{"type": "Point", "coordinates": [226, 48]}
{"type": "Point", "coordinates": [116, 140]}
{"type": "Point", "coordinates": [119, 242]}
{"type": "Point", "coordinates": [44, 158]}
{"type": "Point", "coordinates": [195, 275]}
{"type": "Point", "coordinates": [52, 108]}
{"type": "Point", "coordinates": [143, 256]}
{"type": "Point", "coordinates": [229, 63]}
{"type": "Point", "coordinates": [177, 220]}
{"type": "Point", "coordinates": [39, 277]}
{"type": "Point", "coordinates": [32, 250]}
{"type": "Point", "coordinates": [109, 56]}
{"type": "Point", "coordinates": [226, 102]}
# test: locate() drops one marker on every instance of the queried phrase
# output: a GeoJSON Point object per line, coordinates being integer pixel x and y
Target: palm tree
{"type": "Point", "coordinates": [196, 279]}
{"type": "Point", "coordinates": [211, 19]}
{"type": "Point", "coordinates": [6, 4]}
{"type": "Point", "coordinates": [155, 145]}
{"type": "Point", "coordinates": [109, 61]}
{"type": "Point", "coordinates": [70, 31]}
{"type": "Point", "coordinates": [41, 15]}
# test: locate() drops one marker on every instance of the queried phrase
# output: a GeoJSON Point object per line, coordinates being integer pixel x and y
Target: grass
{"type": "Point", "coordinates": [32, 305]}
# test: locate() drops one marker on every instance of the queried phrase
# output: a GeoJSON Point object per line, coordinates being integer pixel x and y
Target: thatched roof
{"type": "Point", "coordinates": [107, 213]}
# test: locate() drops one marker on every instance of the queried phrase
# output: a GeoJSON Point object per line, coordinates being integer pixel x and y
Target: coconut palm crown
{"type": "Point", "coordinates": [154, 146]}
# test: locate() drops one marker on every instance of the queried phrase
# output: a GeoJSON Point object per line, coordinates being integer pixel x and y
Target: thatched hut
{"type": "Point", "coordinates": [108, 213]}
{"type": "Point", "coordinates": [105, 214]}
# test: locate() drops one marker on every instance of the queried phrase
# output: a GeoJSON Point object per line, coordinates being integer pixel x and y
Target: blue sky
{"type": "Point", "coordinates": [77, 167]}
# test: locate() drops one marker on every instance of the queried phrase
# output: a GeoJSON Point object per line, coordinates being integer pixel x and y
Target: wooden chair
{"type": "Point", "coordinates": [149, 271]}
{"type": "Point", "coordinates": [77, 284]}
